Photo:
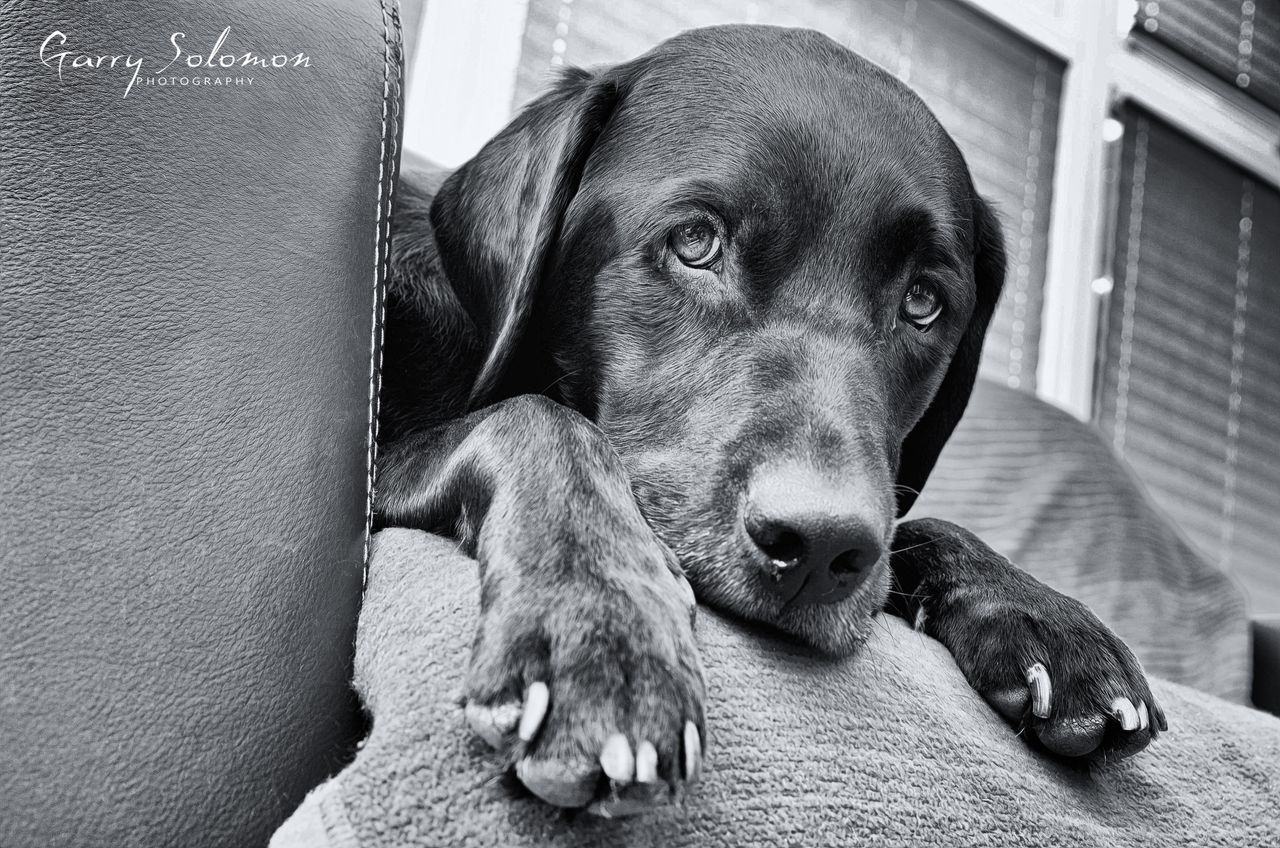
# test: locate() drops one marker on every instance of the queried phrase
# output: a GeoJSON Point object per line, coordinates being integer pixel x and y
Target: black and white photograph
{"type": "Point", "coordinates": [654, 423]}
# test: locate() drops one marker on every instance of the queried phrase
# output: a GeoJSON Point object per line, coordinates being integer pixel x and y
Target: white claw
{"type": "Point", "coordinates": [692, 752]}
{"type": "Point", "coordinates": [616, 759]}
{"type": "Point", "coordinates": [1124, 712]}
{"type": "Point", "coordinates": [646, 763]}
{"type": "Point", "coordinates": [536, 700]}
{"type": "Point", "coordinates": [1041, 690]}
{"type": "Point", "coordinates": [1144, 717]}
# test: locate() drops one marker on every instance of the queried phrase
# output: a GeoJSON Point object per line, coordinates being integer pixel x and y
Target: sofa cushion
{"type": "Point", "coordinates": [890, 746]}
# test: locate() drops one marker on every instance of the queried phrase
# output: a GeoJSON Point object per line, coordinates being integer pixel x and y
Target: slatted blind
{"type": "Point", "coordinates": [1237, 40]}
{"type": "Point", "coordinates": [997, 94]}
{"type": "Point", "coordinates": [1189, 388]}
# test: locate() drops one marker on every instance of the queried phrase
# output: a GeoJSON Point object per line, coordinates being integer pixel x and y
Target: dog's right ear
{"type": "Point", "coordinates": [497, 218]}
{"type": "Point", "coordinates": [923, 445]}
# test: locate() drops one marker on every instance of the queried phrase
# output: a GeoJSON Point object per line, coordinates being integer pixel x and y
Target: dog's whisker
{"type": "Point", "coordinates": [913, 547]}
{"type": "Point", "coordinates": [911, 596]}
{"type": "Point", "coordinates": [566, 375]}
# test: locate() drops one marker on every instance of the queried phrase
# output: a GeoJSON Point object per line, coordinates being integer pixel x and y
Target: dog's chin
{"type": "Point", "coordinates": [838, 629]}
{"type": "Point", "coordinates": [841, 628]}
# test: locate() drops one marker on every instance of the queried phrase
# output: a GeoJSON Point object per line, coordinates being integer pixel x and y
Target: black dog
{"type": "Point", "coordinates": [713, 313]}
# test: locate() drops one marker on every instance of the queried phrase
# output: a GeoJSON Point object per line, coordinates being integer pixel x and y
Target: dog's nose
{"type": "Point", "coordinates": [820, 540]}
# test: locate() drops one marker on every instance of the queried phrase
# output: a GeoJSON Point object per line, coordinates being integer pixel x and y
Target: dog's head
{"type": "Point", "coordinates": [759, 264]}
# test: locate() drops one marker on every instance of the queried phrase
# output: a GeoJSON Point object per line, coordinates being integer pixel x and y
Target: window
{"type": "Point", "coordinates": [1189, 368]}
{"type": "Point", "coordinates": [1239, 42]}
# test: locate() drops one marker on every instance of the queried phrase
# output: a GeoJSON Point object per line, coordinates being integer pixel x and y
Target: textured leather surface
{"type": "Point", "coordinates": [187, 334]}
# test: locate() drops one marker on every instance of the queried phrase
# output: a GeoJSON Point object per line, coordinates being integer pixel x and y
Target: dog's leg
{"type": "Point", "coordinates": [1040, 658]}
{"type": "Point", "coordinates": [584, 668]}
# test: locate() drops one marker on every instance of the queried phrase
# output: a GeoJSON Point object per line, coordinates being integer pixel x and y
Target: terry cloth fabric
{"type": "Point", "coordinates": [888, 747]}
{"type": "Point", "coordinates": [1046, 491]}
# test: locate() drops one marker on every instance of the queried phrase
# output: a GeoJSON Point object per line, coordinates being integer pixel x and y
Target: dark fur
{"type": "Point", "coordinates": [576, 406]}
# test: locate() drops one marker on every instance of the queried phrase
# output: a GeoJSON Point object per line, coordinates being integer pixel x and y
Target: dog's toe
{"type": "Point", "coordinates": [564, 784]}
{"type": "Point", "coordinates": [1134, 726]}
{"type": "Point", "coordinates": [496, 723]}
{"type": "Point", "coordinates": [1074, 729]}
{"type": "Point", "coordinates": [634, 784]}
{"type": "Point", "coordinates": [1072, 737]}
{"type": "Point", "coordinates": [1010, 701]}
{"type": "Point", "coordinates": [502, 723]}
{"type": "Point", "coordinates": [622, 781]}
{"type": "Point", "coordinates": [598, 706]}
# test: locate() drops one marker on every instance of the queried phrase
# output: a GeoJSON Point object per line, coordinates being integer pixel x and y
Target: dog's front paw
{"type": "Point", "coordinates": [592, 687]}
{"type": "Point", "coordinates": [1045, 662]}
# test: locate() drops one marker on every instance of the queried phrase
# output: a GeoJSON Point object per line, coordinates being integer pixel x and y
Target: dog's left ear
{"type": "Point", "coordinates": [923, 445]}
{"type": "Point", "coordinates": [497, 218]}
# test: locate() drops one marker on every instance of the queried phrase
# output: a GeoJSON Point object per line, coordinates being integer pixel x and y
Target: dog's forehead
{"type": "Point", "coordinates": [760, 108]}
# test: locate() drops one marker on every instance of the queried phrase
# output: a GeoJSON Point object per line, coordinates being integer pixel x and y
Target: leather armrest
{"type": "Point", "coordinates": [192, 267]}
{"type": "Point", "coordinates": [1266, 663]}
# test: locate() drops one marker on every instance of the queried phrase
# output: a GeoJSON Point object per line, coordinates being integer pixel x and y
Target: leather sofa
{"type": "Point", "coordinates": [189, 338]}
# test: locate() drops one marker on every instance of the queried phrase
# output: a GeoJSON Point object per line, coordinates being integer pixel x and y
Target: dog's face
{"type": "Point", "coordinates": [766, 278]}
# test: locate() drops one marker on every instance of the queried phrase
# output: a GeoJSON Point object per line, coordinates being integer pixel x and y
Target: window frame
{"type": "Point", "coordinates": [1105, 66]}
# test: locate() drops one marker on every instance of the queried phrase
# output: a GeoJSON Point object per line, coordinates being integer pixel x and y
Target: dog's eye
{"type": "Point", "coordinates": [696, 243]}
{"type": "Point", "coordinates": [922, 304]}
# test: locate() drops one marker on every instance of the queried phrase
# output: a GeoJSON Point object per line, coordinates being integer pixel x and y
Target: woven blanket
{"type": "Point", "coordinates": [888, 747]}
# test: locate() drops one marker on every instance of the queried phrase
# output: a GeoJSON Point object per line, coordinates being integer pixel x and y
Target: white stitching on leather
{"type": "Point", "coordinates": [382, 234]}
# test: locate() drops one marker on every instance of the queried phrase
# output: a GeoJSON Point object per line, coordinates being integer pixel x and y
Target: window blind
{"type": "Point", "coordinates": [997, 94]}
{"type": "Point", "coordinates": [1237, 40]}
{"type": "Point", "coordinates": [1189, 388]}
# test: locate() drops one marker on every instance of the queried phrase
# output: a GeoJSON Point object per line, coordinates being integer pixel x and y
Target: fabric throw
{"type": "Point", "coordinates": [890, 746]}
